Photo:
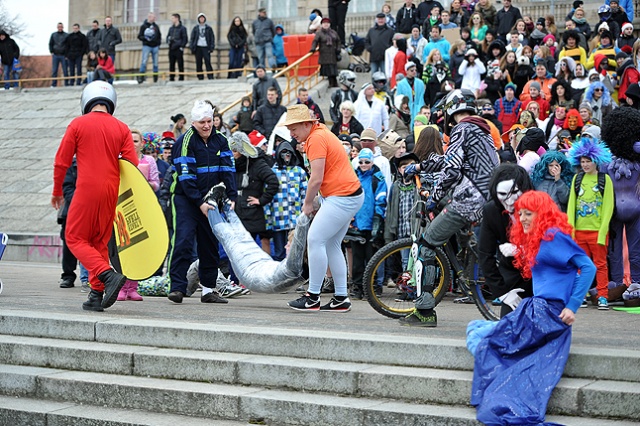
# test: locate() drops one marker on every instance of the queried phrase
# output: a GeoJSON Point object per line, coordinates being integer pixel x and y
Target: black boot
{"type": "Point", "coordinates": [155, 78]}
{"type": "Point", "coordinates": [94, 302]}
{"type": "Point", "coordinates": [113, 282]}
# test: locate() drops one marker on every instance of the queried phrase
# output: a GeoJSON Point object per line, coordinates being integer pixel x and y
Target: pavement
{"type": "Point", "coordinates": [34, 287]}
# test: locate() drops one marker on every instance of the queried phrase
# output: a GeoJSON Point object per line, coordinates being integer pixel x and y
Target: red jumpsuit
{"type": "Point", "coordinates": [97, 139]}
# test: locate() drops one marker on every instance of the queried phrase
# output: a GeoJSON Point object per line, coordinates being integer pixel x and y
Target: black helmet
{"type": "Point", "coordinates": [458, 100]}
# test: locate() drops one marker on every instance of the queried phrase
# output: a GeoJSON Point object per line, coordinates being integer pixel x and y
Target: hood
{"type": "Point", "coordinates": [282, 28]}
{"type": "Point", "coordinates": [478, 121]}
{"type": "Point", "coordinates": [597, 60]}
{"type": "Point", "coordinates": [622, 68]}
{"type": "Point", "coordinates": [203, 15]}
{"type": "Point", "coordinates": [533, 139]}
{"type": "Point", "coordinates": [286, 146]}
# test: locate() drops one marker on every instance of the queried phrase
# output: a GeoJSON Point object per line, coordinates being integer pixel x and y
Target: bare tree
{"type": "Point", "coordinates": [12, 24]}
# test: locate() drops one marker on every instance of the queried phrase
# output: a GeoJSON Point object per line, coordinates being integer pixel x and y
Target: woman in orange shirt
{"type": "Point", "coordinates": [341, 195]}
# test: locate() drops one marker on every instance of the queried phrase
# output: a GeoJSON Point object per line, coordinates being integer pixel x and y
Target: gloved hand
{"type": "Point", "coordinates": [377, 229]}
{"type": "Point", "coordinates": [508, 249]}
{"type": "Point", "coordinates": [410, 171]}
{"type": "Point", "coordinates": [431, 205]}
{"type": "Point", "coordinates": [511, 298]}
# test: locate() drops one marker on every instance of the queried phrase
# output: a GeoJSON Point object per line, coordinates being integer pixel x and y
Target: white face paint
{"type": "Point", "coordinates": [508, 193]}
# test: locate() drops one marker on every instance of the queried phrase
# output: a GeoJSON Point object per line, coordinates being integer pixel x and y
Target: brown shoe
{"type": "Point", "coordinates": [213, 297]}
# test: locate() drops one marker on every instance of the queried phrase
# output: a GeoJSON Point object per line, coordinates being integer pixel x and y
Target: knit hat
{"type": "Point", "coordinates": [621, 55]}
{"type": "Point", "coordinates": [606, 34]}
{"type": "Point", "coordinates": [365, 154]}
{"type": "Point", "coordinates": [408, 65]}
{"type": "Point", "coordinates": [257, 139]}
{"type": "Point", "coordinates": [470, 52]}
{"type": "Point", "coordinates": [577, 4]}
{"type": "Point", "coordinates": [627, 25]}
{"type": "Point", "coordinates": [633, 92]}
{"type": "Point", "coordinates": [325, 20]}
{"type": "Point", "coordinates": [541, 21]}
{"type": "Point", "coordinates": [535, 85]}
{"type": "Point", "coordinates": [511, 85]}
{"type": "Point", "coordinates": [203, 15]}
{"type": "Point", "coordinates": [381, 15]}
{"type": "Point", "coordinates": [603, 27]}
{"type": "Point", "coordinates": [369, 134]}
{"type": "Point", "coordinates": [422, 119]}
{"type": "Point", "coordinates": [591, 131]}
{"type": "Point", "coordinates": [547, 37]}
{"type": "Point", "coordinates": [260, 67]}
{"type": "Point", "coordinates": [587, 106]}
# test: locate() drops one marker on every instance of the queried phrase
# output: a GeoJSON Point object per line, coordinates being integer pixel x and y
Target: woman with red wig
{"type": "Point", "coordinates": [520, 359]}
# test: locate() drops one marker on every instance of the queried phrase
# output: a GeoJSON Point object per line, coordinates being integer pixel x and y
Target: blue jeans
{"type": "Point", "coordinates": [377, 66]}
{"type": "Point", "coordinates": [265, 55]}
{"type": "Point", "coordinates": [145, 57]}
{"type": "Point", "coordinates": [9, 74]}
{"type": "Point", "coordinates": [84, 274]}
{"type": "Point", "coordinates": [74, 67]}
{"type": "Point", "coordinates": [58, 61]}
{"type": "Point", "coordinates": [235, 61]}
{"type": "Point", "coordinates": [280, 239]}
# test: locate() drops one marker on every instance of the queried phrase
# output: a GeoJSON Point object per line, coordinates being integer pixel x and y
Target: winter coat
{"type": "Point", "coordinates": [58, 43]}
{"type": "Point", "coordinates": [278, 47]}
{"type": "Point", "coordinates": [243, 119]}
{"type": "Point", "coordinates": [254, 178]}
{"type": "Point", "coordinates": [68, 188]}
{"type": "Point", "coordinates": [557, 189]}
{"type": "Point", "coordinates": [9, 50]}
{"type": "Point", "coordinates": [286, 206]}
{"type": "Point", "coordinates": [398, 124]}
{"type": "Point", "coordinates": [267, 117]}
{"type": "Point", "coordinates": [424, 10]}
{"type": "Point", "coordinates": [263, 30]}
{"type": "Point", "coordinates": [354, 126]}
{"type": "Point", "coordinates": [406, 19]}
{"type": "Point", "coordinates": [236, 37]}
{"type": "Point", "coordinates": [328, 52]}
{"type": "Point", "coordinates": [109, 37]}
{"type": "Point", "coordinates": [454, 63]}
{"type": "Point", "coordinates": [379, 38]}
{"type": "Point", "coordinates": [93, 38]}
{"type": "Point", "coordinates": [374, 203]}
{"type": "Point", "coordinates": [177, 37]}
{"type": "Point", "coordinates": [627, 75]}
{"type": "Point", "coordinates": [149, 34]}
{"type": "Point", "coordinates": [260, 87]}
{"type": "Point", "coordinates": [471, 158]}
{"type": "Point", "coordinates": [506, 19]}
{"type": "Point", "coordinates": [488, 14]}
{"type": "Point", "coordinates": [208, 34]}
{"type": "Point", "coordinates": [77, 45]}
{"type": "Point", "coordinates": [460, 18]}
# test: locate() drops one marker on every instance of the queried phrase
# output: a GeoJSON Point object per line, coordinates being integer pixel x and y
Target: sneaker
{"type": "Point", "coordinates": [327, 285]}
{"type": "Point", "coordinates": [336, 305]}
{"type": "Point", "coordinates": [230, 290]}
{"type": "Point", "coordinates": [216, 195]}
{"type": "Point", "coordinates": [390, 283]}
{"type": "Point", "coordinates": [585, 303]}
{"type": "Point", "coordinates": [245, 291]}
{"type": "Point", "coordinates": [416, 319]}
{"type": "Point", "coordinates": [307, 302]}
{"type": "Point", "coordinates": [213, 297]}
{"type": "Point", "coordinates": [405, 297]}
{"type": "Point", "coordinates": [84, 287]}
{"type": "Point", "coordinates": [603, 304]}
{"type": "Point", "coordinates": [301, 288]}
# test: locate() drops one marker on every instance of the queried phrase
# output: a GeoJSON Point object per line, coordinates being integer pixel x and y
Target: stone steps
{"type": "Point", "coordinates": [289, 378]}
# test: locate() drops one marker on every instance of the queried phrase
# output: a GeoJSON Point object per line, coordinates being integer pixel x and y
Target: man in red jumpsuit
{"type": "Point", "coordinates": [97, 139]}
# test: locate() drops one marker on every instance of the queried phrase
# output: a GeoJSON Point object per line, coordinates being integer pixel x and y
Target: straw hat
{"type": "Point", "coordinates": [299, 113]}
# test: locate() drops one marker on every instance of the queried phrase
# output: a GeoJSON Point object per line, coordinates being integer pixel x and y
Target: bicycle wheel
{"type": "Point", "coordinates": [397, 302]}
{"type": "Point", "coordinates": [480, 291]}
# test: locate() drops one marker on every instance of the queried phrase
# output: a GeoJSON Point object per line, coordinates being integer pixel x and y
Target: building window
{"type": "Point", "coordinates": [137, 10]}
{"type": "Point", "coordinates": [282, 8]}
{"type": "Point", "coordinates": [363, 6]}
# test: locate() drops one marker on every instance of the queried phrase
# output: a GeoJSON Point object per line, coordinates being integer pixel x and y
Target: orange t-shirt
{"type": "Point", "coordinates": [339, 177]}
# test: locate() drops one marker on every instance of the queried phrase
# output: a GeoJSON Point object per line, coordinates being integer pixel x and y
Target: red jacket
{"type": "Point", "coordinates": [399, 62]}
{"type": "Point", "coordinates": [544, 106]}
{"type": "Point", "coordinates": [629, 75]}
{"type": "Point", "coordinates": [107, 65]}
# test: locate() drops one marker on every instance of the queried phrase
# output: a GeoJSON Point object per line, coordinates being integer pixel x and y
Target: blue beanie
{"type": "Point", "coordinates": [365, 153]}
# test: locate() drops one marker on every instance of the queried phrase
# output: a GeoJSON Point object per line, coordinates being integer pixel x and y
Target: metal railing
{"type": "Point", "coordinates": [294, 81]}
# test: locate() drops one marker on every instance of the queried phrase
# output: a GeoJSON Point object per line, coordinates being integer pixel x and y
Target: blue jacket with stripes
{"type": "Point", "coordinates": [202, 164]}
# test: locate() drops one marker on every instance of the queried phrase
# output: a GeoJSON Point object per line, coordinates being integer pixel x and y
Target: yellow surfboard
{"type": "Point", "coordinates": [141, 231]}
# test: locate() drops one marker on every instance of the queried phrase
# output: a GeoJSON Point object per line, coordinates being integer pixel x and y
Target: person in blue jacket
{"type": "Point", "coordinates": [369, 220]}
{"type": "Point", "coordinates": [278, 47]}
{"type": "Point", "coordinates": [413, 88]}
{"type": "Point", "coordinates": [202, 159]}
{"type": "Point", "coordinates": [520, 359]}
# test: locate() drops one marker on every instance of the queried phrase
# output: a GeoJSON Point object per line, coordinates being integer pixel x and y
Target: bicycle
{"type": "Point", "coordinates": [456, 266]}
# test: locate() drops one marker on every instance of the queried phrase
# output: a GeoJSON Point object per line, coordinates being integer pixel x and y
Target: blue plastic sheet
{"type": "Point", "coordinates": [519, 363]}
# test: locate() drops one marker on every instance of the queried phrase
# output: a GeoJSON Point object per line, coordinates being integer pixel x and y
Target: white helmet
{"type": "Point", "coordinates": [98, 92]}
{"type": "Point", "coordinates": [348, 78]}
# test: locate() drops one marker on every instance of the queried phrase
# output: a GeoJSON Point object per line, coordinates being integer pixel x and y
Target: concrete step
{"type": "Point", "coordinates": [228, 402]}
{"type": "Point", "coordinates": [381, 349]}
{"type": "Point", "coordinates": [36, 412]}
{"type": "Point", "coordinates": [604, 398]}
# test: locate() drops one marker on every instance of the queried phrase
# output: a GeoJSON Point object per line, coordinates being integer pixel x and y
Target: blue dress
{"type": "Point", "coordinates": [520, 359]}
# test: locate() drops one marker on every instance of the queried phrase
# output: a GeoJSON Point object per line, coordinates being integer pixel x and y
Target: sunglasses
{"type": "Point", "coordinates": [597, 90]}
{"type": "Point", "coordinates": [364, 162]}
{"type": "Point", "coordinates": [487, 108]}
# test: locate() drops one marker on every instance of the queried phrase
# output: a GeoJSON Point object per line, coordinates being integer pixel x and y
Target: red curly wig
{"type": "Point", "coordinates": [573, 113]}
{"type": "Point", "coordinates": [549, 217]}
